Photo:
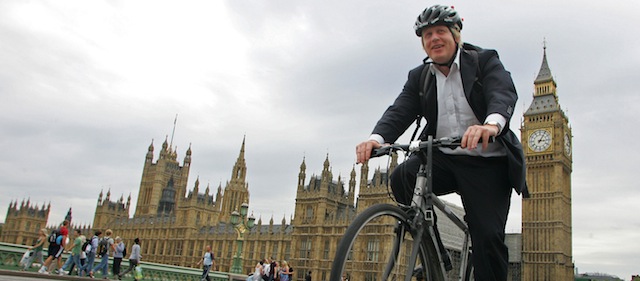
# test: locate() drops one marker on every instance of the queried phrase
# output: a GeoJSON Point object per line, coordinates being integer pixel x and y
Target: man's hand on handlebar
{"type": "Point", "coordinates": [475, 133]}
{"type": "Point", "coordinates": [363, 150]}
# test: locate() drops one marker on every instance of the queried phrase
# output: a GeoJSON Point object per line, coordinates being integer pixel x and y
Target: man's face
{"type": "Point", "coordinates": [438, 42]}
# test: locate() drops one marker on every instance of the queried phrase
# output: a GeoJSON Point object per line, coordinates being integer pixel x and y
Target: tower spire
{"type": "Point", "coordinates": [240, 168]}
{"type": "Point", "coordinates": [241, 156]}
{"type": "Point", "coordinates": [544, 74]}
{"type": "Point", "coordinates": [174, 130]}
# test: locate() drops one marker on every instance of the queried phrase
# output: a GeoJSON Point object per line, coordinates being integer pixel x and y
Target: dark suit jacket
{"type": "Point", "coordinates": [488, 88]}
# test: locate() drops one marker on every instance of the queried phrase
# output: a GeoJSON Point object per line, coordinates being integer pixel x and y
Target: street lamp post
{"type": "Point", "coordinates": [241, 224]}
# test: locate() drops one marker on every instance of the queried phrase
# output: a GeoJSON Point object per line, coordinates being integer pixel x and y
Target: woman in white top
{"type": "Point", "coordinates": [257, 274]}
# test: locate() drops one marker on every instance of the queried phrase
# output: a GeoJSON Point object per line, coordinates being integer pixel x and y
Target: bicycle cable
{"type": "Point", "coordinates": [403, 178]}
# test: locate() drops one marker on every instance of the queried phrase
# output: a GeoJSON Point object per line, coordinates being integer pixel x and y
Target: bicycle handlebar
{"type": "Point", "coordinates": [415, 146]}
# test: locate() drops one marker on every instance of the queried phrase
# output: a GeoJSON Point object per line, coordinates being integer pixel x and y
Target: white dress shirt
{"type": "Point", "coordinates": [455, 114]}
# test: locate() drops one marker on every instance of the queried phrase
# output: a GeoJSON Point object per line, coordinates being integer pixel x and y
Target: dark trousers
{"type": "Point", "coordinates": [205, 272]}
{"type": "Point", "coordinates": [483, 184]}
{"type": "Point", "coordinates": [116, 265]}
{"type": "Point", "coordinates": [132, 266]}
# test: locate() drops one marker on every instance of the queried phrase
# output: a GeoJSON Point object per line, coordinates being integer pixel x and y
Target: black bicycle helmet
{"type": "Point", "coordinates": [437, 15]}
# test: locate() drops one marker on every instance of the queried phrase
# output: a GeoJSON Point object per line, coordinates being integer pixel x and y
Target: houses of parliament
{"type": "Point", "coordinates": [175, 222]}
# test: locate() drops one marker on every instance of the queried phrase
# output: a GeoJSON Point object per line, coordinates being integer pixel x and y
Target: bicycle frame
{"type": "Point", "coordinates": [424, 199]}
{"type": "Point", "coordinates": [416, 220]}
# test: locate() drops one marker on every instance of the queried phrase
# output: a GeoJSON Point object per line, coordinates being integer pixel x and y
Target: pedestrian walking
{"type": "Point", "coordinates": [118, 254]}
{"type": "Point", "coordinates": [36, 249]}
{"type": "Point", "coordinates": [134, 259]}
{"type": "Point", "coordinates": [207, 261]}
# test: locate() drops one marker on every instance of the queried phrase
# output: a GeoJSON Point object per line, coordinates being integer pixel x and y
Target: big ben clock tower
{"type": "Point", "coordinates": [546, 215]}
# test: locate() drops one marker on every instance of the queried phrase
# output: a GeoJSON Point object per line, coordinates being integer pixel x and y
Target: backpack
{"type": "Point", "coordinates": [86, 247]}
{"type": "Point", "coordinates": [103, 246]}
{"type": "Point", "coordinates": [53, 237]}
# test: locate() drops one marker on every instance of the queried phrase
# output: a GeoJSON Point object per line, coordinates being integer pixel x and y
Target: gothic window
{"type": "Point", "coordinates": [178, 251]}
{"type": "Point", "coordinates": [251, 249]}
{"type": "Point", "coordinates": [153, 246]}
{"type": "Point", "coordinates": [191, 247]}
{"type": "Point", "coordinates": [309, 214]}
{"type": "Point", "coordinates": [263, 250]}
{"type": "Point", "coordinates": [370, 276]}
{"type": "Point", "coordinates": [305, 248]}
{"type": "Point", "coordinates": [373, 249]}
{"type": "Point", "coordinates": [287, 251]}
{"type": "Point", "coordinates": [327, 245]}
{"type": "Point", "coordinates": [274, 252]}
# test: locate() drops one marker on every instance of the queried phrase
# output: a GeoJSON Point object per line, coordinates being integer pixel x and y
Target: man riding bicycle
{"type": "Point", "coordinates": [461, 90]}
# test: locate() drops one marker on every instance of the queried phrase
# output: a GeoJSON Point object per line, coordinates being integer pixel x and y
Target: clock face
{"type": "Point", "coordinates": [567, 144]}
{"type": "Point", "coordinates": [539, 140]}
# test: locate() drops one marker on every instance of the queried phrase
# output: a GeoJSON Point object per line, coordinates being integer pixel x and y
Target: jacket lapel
{"type": "Point", "coordinates": [430, 104]}
{"type": "Point", "coordinates": [468, 63]}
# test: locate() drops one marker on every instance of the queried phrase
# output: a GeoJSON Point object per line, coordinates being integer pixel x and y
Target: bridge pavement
{"type": "Point", "coordinates": [14, 275]}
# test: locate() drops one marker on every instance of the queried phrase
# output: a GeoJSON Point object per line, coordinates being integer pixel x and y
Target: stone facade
{"type": "Point", "coordinates": [24, 221]}
{"type": "Point", "coordinates": [175, 225]}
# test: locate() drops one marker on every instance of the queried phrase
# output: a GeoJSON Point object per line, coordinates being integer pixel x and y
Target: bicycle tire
{"type": "Point", "coordinates": [377, 244]}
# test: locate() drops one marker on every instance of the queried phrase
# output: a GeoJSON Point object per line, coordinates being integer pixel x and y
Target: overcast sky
{"type": "Point", "coordinates": [86, 86]}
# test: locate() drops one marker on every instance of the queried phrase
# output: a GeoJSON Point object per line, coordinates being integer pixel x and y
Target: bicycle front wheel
{"type": "Point", "coordinates": [378, 245]}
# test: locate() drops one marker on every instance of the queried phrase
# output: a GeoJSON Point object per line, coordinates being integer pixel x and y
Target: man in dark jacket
{"type": "Point", "coordinates": [461, 90]}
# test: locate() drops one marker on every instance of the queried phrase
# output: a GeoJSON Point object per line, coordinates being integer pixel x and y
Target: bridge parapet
{"type": "Point", "coordinates": [10, 255]}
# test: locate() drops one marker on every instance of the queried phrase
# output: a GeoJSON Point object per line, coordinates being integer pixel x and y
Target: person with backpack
{"type": "Point", "coordinates": [134, 259]}
{"type": "Point", "coordinates": [90, 247]}
{"type": "Point", "coordinates": [462, 91]}
{"type": "Point", "coordinates": [83, 255]}
{"type": "Point", "coordinates": [118, 254]}
{"type": "Point", "coordinates": [57, 240]}
{"type": "Point", "coordinates": [105, 249]}
{"type": "Point", "coordinates": [76, 248]}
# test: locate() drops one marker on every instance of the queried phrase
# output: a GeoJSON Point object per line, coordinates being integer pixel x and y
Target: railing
{"type": "Point", "coordinates": [10, 255]}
